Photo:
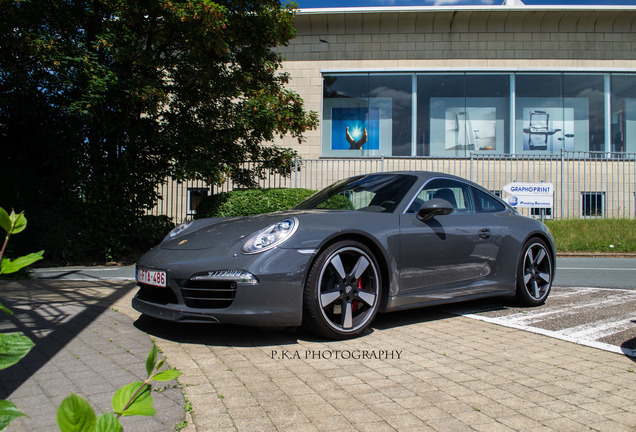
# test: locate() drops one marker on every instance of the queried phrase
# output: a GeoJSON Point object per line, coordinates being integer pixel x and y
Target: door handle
{"type": "Point", "coordinates": [485, 233]}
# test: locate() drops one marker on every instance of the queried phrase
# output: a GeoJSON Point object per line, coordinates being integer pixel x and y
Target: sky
{"type": "Point", "coordinates": [384, 3]}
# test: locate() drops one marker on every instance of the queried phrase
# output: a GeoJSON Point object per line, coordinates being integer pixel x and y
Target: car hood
{"type": "Point", "coordinates": [223, 233]}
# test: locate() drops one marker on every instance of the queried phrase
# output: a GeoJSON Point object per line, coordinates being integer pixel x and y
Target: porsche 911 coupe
{"type": "Point", "coordinates": [365, 245]}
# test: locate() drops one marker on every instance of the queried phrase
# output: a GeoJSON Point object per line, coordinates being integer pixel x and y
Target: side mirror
{"type": "Point", "coordinates": [434, 207]}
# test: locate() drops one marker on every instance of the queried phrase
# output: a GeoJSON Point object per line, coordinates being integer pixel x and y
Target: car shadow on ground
{"type": "Point", "coordinates": [244, 336]}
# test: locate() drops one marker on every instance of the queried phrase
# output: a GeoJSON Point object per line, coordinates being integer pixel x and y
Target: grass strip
{"type": "Point", "coordinates": [594, 235]}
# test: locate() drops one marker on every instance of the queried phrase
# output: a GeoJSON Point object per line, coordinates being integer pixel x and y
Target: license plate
{"type": "Point", "coordinates": [152, 277]}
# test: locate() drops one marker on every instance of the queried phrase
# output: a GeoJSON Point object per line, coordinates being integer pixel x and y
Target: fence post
{"type": "Point", "coordinates": [471, 166]}
{"type": "Point", "coordinates": [562, 180]}
{"type": "Point", "coordinates": [382, 163]}
{"type": "Point", "coordinates": [296, 173]}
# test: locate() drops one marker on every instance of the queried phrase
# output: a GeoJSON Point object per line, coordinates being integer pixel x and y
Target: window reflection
{"type": "Point", "coordinates": [623, 113]}
{"type": "Point", "coordinates": [584, 94]}
{"type": "Point", "coordinates": [438, 95]}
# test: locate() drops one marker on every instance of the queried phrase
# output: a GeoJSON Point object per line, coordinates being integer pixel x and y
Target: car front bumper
{"type": "Point", "coordinates": [274, 299]}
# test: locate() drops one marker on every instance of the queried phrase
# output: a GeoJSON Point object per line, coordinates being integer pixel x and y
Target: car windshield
{"type": "Point", "coordinates": [374, 192]}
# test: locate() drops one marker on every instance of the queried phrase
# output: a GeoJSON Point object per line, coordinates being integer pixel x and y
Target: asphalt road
{"type": "Point", "coordinates": [595, 272]}
{"type": "Point", "coordinates": [86, 273]}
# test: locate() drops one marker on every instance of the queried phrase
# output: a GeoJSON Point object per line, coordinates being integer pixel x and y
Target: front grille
{"type": "Point", "coordinates": [155, 294]}
{"type": "Point", "coordinates": [208, 294]}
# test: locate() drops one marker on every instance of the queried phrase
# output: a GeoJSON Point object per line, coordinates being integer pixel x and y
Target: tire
{"type": "Point", "coordinates": [535, 271]}
{"type": "Point", "coordinates": [343, 291]}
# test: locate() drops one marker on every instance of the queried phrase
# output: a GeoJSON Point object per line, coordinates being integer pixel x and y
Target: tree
{"type": "Point", "coordinates": [101, 100]}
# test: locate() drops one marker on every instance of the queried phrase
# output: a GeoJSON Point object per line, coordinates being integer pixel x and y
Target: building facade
{"type": "Point", "coordinates": [494, 93]}
{"type": "Point", "coordinates": [445, 82]}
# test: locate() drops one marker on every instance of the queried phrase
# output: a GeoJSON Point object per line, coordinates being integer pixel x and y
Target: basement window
{"type": "Point", "coordinates": [592, 204]}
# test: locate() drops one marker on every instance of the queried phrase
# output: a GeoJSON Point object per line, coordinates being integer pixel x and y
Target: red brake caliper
{"type": "Point", "coordinates": [356, 303]}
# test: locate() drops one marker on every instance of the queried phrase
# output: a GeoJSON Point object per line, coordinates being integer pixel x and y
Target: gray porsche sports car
{"type": "Point", "coordinates": [367, 244]}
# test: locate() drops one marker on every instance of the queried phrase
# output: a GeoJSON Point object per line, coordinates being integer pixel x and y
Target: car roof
{"type": "Point", "coordinates": [423, 175]}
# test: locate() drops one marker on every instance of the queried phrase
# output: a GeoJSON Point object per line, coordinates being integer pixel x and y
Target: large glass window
{"type": "Point", "coordinates": [585, 96]}
{"type": "Point", "coordinates": [559, 111]}
{"type": "Point", "coordinates": [367, 115]}
{"type": "Point", "coordinates": [435, 94]}
{"type": "Point", "coordinates": [539, 114]}
{"type": "Point", "coordinates": [623, 113]}
{"type": "Point", "coordinates": [456, 114]}
{"type": "Point", "coordinates": [460, 114]}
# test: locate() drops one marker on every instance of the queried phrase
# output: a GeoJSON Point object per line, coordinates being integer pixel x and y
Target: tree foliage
{"type": "Point", "coordinates": [101, 100]}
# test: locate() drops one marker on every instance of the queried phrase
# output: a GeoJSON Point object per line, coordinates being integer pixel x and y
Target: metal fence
{"type": "Point", "coordinates": [586, 184]}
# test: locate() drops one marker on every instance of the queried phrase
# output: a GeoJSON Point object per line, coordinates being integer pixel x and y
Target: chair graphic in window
{"type": "Point", "coordinates": [539, 130]}
{"type": "Point", "coordinates": [459, 131]}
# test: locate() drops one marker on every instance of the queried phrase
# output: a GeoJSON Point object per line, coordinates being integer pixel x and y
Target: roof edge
{"type": "Point", "coordinates": [469, 8]}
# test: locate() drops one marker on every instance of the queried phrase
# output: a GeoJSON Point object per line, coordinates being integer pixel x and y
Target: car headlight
{"type": "Point", "coordinates": [178, 230]}
{"type": "Point", "coordinates": [271, 236]}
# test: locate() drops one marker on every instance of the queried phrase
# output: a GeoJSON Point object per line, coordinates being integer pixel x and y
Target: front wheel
{"type": "Point", "coordinates": [535, 271]}
{"type": "Point", "coordinates": [342, 293]}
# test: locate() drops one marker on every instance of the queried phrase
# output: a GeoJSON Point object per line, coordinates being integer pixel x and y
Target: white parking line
{"type": "Point", "coordinates": [583, 300]}
{"type": "Point", "coordinates": [557, 335]}
{"type": "Point", "coordinates": [600, 329]}
{"type": "Point", "coordinates": [531, 317]}
{"type": "Point", "coordinates": [573, 292]}
{"type": "Point", "coordinates": [596, 268]}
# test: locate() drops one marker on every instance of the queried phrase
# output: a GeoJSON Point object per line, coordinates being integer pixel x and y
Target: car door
{"type": "Point", "coordinates": [448, 255]}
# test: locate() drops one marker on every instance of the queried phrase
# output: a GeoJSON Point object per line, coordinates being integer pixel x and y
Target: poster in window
{"type": "Point", "coordinates": [471, 128]}
{"type": "Point", "coordinates": [548, 129]}
{"type": "Point", "coordinates": [355, 129]}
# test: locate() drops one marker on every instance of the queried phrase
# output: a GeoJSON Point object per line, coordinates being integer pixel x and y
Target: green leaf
{"type": "Point", "coordinates": [75, 415]}
{"type": "Point", "coordinates": [8, 413]}
{"type": "Point", "coordinates": [18, 222]}
{"type": "Point", "coordinates": [5, 221]}
{"type": "Point", "coordinates": [151, 360]}
{"type": "Point", "coordinates": [167, 375]}
{"type": "Point", "coordinates": [13, 347]}
{"type": "Point", "coordinates": [8, 266]}
{"type": "Point", "coordinates": [140, 405]}
{"type": "Point", "coordinates": [107, 422]}
{"type": "Point", "coordinates": [6, 310]}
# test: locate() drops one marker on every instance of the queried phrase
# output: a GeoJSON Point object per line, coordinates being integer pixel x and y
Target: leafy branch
{"type": "Point", "coordinates": [13, 346]}
{"type": "Point", "coordinates": [13, 224]}
{"type": "Point", "coordinates": [74, 414]}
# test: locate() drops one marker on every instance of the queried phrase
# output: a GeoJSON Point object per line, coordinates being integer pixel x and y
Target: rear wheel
{"type": "Point", "coordinates": [534, 273]}
{"type": "Point", "coordinates": [342, 293]}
